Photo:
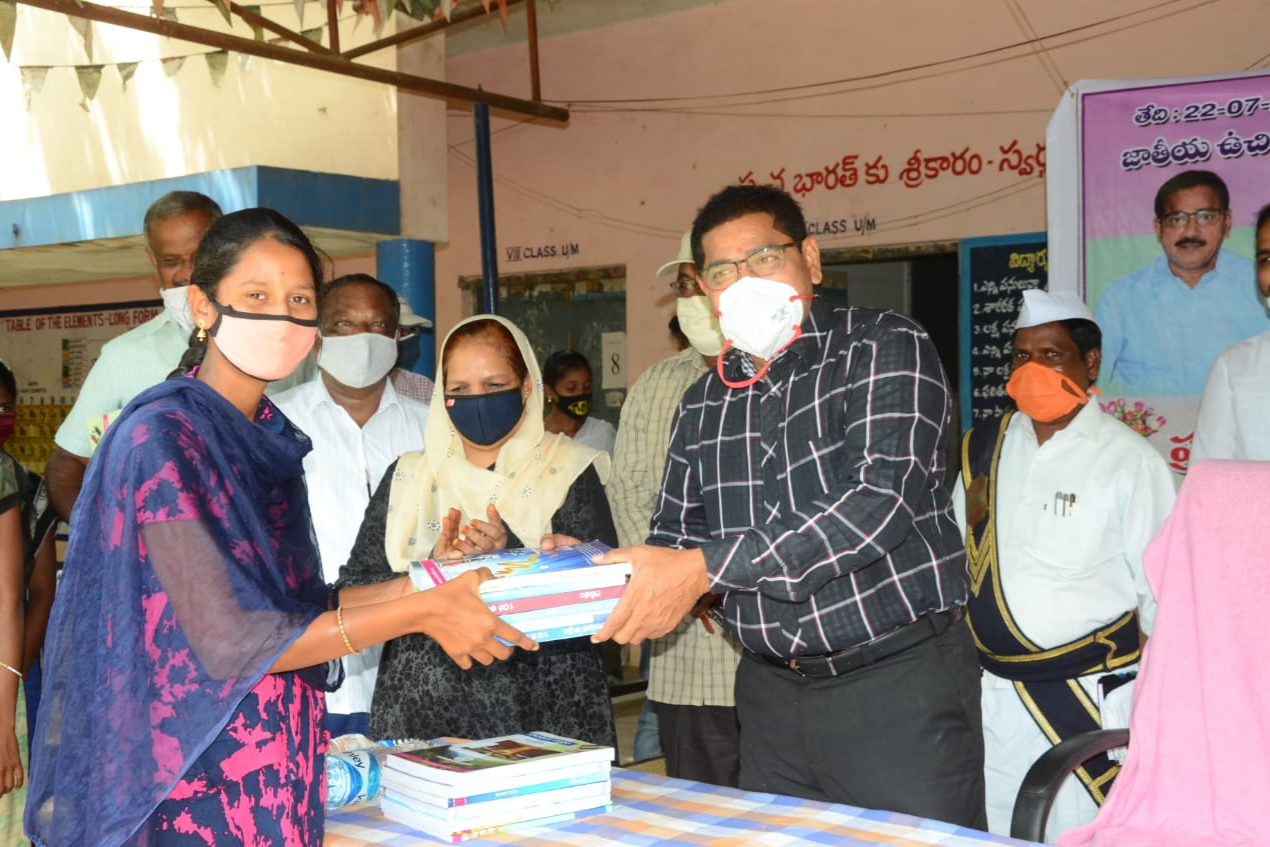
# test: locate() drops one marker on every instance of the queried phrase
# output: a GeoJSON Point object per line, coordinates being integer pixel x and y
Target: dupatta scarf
{"type": "Point", "coordinates": [530, 478]}
{"type": "Point", "coordinates": [145, 665]}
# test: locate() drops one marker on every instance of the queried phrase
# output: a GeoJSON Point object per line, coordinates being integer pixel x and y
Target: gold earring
{"type": "Point", "coordinates": [202, 333]}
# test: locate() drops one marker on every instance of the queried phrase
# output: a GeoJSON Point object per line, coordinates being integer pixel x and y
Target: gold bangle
{"type": "Point", "coordinates": [339, 618]}
{"type": "Point", "coordinates": [11, 669]}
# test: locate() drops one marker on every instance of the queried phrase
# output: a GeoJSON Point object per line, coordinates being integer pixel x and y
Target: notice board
{"type": "Point", "coordinates": [995, 271]}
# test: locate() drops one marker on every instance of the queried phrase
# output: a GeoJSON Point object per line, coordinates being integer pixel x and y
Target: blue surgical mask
{"type": "Point", "coordinates": [485, 419]}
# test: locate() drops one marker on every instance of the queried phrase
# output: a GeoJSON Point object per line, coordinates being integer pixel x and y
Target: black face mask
{"type": "Point", "coordinates": [485, 419]}
{"type": "Point", "coordinates": [577, 406]}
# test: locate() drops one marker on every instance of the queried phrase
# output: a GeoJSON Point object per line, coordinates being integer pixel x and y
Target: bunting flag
{"type": "Point", "coordinates": [244, 61]}
{"type": "Point", "coordinates": [223, 6]}
{"type": "Point", "coordinates": [385, 8]}
{"type": "Point", "coordinates": [172, 64]}
{"type": "Point", "coordinates": [32, 82]}
{"type": "Point", "coordinates": [299, 12]}
{"type": "Point", "coordinates": [8, 23]}
{"type": "Point", "coordinates": [156, 8]}
{"type": "Point", "coordinates": [169, 15]}
{"type": "Point", "coordinates": [217, 61]}
{"type": "Point", "coordinates": [257, 31]}
{"type": "Point", "coordinates": [314, 35]}
{"type": "Point", "coordinates": [89, 80]}
{"type": "Point", "coordinates": [126, 70]}
{"type": "Point", "coordinates": [85, 29]}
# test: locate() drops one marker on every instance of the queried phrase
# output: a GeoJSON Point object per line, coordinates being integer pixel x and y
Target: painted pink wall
{"type": "Point", "coordinates": [624, 179]}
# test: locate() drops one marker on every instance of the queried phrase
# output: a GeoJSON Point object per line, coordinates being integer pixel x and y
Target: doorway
{"type": "Point", "coordinates": [582, 309]}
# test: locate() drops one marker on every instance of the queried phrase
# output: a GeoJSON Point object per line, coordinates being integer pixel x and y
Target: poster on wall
{"type": "Point", "coordinates": [50, 352]}
{"type": "Point", "coordinates": [995, 271]}
{"type": "Point", "coordinates": [1152, 206]}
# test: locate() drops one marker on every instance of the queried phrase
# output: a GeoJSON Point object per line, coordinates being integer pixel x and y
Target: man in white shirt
{"type": "Point", "coordinates": [1057, 502]}
{"type": "Point", "coordinates": [1235, 408]}
{"type": "Point", "coordinates": [359, 425]}
{"type": "Point", "coordinates": [145, 355]}
{"type": "Point", "coordinates": [692, 670]}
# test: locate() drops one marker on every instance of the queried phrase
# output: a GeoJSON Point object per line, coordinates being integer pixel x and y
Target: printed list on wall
{"type": "Point", "coordinates": [51, 353]}
{"type": "Point", "coordinates": [995, 272]}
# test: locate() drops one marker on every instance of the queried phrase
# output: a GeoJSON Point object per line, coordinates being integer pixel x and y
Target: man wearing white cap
{"type": "Point", "coordinates": [1057, 502]}
{"type": "Point", "coordinates": [692, 670]}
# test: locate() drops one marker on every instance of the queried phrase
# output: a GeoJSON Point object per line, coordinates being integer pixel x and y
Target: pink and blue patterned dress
{"type": "Point", "coordinates": [191, 568]}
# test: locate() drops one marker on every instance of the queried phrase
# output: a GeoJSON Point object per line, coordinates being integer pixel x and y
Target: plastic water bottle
{"type": "Point", "coordinates": [351, 777]}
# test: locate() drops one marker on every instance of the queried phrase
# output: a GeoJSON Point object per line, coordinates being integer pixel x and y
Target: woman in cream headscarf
{"type": "Point", "coordinates": [489, 467]}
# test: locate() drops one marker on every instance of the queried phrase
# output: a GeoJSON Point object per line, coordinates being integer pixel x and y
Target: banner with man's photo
{"type": "Point", "coordinates": [1153, 192]}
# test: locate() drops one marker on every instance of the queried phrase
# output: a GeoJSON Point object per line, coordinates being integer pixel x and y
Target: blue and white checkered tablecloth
{"type": "Point", "coordinates": [651, 811]}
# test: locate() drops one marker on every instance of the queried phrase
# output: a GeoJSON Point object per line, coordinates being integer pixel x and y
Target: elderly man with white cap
{"type": "Point", "coordinates": [692, 671]}
{"type": "Point", "coordinates": [1057, 502]}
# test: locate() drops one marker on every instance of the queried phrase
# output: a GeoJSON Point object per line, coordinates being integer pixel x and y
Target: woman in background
{"type": "Point", "coordinates": [24, 529]}
{"type": "Point", "coordinates": [566, 381]}
{"type": "Point", "coordinates": [488, 466]}
{"type": "Point", "coordinates": [192, 637]}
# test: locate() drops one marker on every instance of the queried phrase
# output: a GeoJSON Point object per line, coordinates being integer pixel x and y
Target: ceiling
{"type": "Point", "coordinates": [556, 17]}
{"type": "Point", "coordinates": [125, 257]}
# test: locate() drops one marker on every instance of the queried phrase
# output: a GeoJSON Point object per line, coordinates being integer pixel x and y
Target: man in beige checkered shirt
{"type": "Point", "coordinates": [693, 668]}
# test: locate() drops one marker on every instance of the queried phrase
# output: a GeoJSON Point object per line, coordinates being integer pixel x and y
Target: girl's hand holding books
{"type": "Point", "coordinates": [457, 619]}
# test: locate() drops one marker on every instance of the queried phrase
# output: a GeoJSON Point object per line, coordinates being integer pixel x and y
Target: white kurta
{"type": "Point", "coordinates": [343, 469]}
{"type": "Point", "coordinates": [1234, 414]}
{"type": "Point", "coordinates": [1065, 574]}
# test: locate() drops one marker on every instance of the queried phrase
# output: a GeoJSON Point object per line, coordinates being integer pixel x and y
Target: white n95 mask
{"type": "Point", "coordinates": [357, 360]}
{"type": "Point", "coordinates": [760, 316]}
{"type": "Point", "coordinates": [697, 320]}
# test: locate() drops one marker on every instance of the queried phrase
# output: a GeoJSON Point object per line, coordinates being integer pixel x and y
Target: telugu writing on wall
{"type": "Point", "coordinates": [921, 167]}
{"type": "Point", "coordinates": [994, 274]}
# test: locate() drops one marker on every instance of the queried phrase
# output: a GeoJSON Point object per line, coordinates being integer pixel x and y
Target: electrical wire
{"type": "Point", "coordinates": [923, 66]}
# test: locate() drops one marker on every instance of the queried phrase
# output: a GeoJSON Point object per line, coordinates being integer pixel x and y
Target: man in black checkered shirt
{"type": "Point", "coordinates": [804, 484]}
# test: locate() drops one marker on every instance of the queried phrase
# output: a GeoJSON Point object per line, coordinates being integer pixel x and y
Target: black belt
{"type": "Point", "coordinates": [863, 655]}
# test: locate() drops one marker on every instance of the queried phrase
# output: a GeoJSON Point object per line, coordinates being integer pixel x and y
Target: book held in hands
{"type": "Point", "coordinates": [547, 594]}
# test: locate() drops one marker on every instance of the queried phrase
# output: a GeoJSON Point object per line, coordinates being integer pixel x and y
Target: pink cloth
{"type": "Point", "coordinates": [1198, 768]}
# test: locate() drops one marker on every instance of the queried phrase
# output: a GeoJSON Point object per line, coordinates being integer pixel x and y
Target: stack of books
{"type": "Point", "coordinates": [472, 789]}
{"type": "Point", "coordinates": [548, 595]}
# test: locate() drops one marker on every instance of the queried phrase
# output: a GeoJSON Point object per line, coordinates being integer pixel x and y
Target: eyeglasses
{"type": "Point", "coordinates": [763, 262]}
{"type": "Point", "coordinates": [684, 286]}
{"type": "Point", "coordinates": [1203, 217]}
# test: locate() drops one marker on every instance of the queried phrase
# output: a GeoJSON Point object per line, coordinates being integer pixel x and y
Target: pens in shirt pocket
{"type": "Point", "coordinates": [1064, 504]}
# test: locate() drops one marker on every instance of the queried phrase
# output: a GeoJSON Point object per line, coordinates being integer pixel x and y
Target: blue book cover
{"type": "Point", "coordinates": [526, 571]}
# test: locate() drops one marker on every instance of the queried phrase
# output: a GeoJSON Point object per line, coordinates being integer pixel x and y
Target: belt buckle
{"type": "Point", "coordinates": [833, 669]}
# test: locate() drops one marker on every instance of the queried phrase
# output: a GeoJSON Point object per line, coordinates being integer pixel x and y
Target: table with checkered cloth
{"type": "Point", "coordinates": [652, 810]}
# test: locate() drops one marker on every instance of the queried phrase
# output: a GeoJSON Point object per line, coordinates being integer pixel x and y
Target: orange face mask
{"type": "Point", "coordinates": [1044, 394]}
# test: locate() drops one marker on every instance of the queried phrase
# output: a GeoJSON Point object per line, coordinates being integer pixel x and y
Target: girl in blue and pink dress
{"type": "Point", "coordinates": [192, 635]}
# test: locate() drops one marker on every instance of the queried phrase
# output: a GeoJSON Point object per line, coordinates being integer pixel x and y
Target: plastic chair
{"type": "Point", "coordinates": [1049, 772]}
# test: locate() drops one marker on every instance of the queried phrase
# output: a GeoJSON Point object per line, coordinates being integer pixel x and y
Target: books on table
{"type": "Point", "coordinates": [547, 594]}
{"type": "Point", "coordinates": [475, 788]}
